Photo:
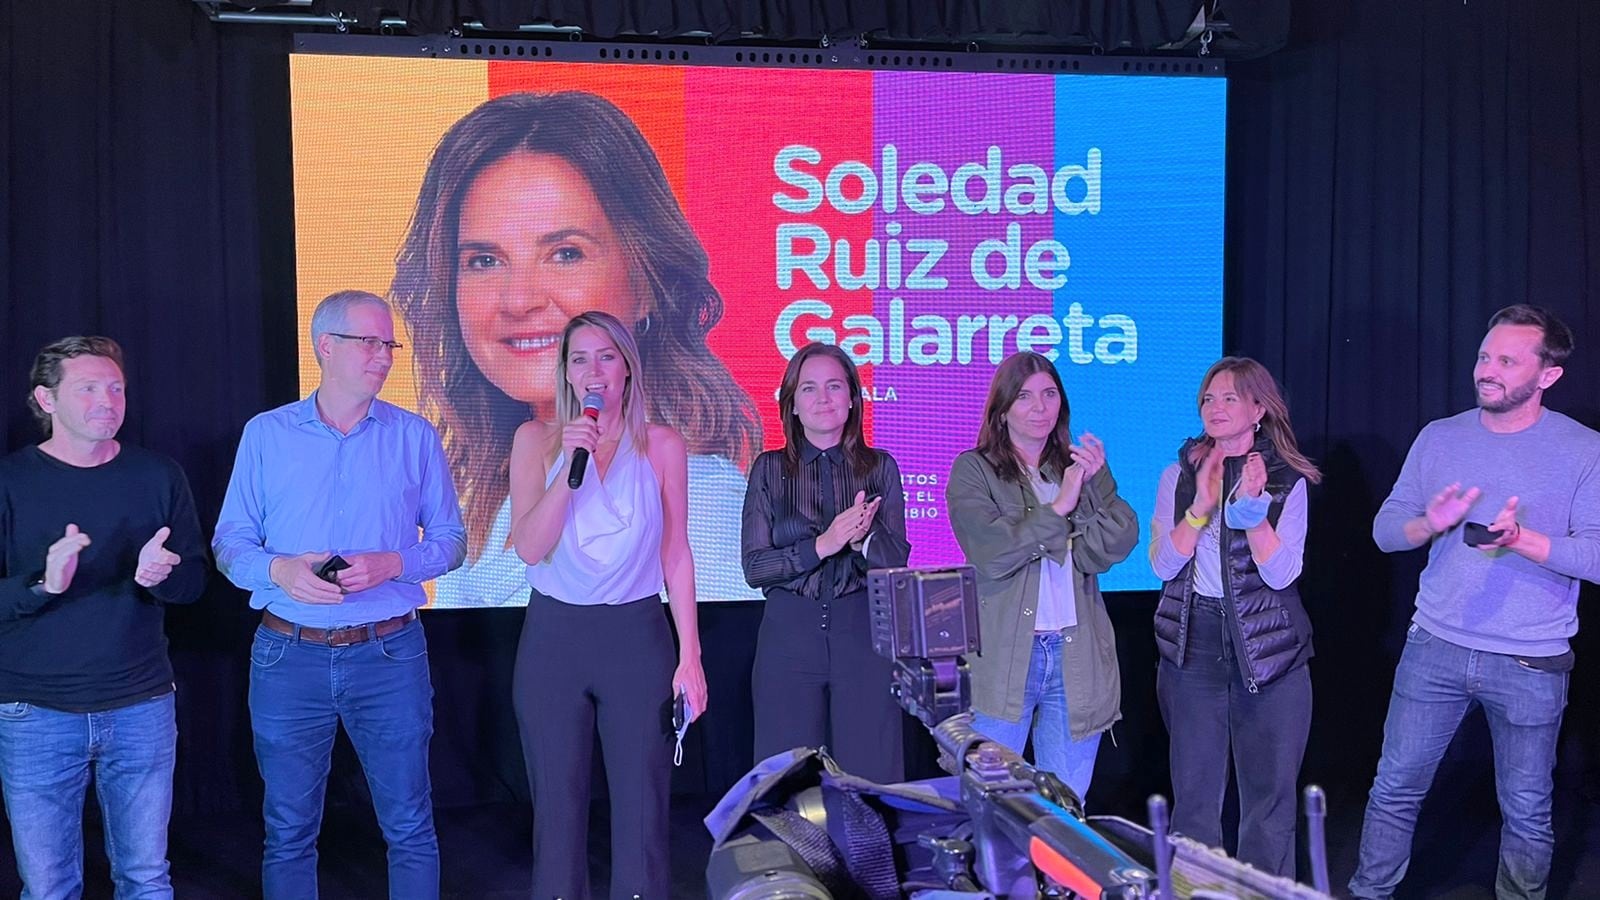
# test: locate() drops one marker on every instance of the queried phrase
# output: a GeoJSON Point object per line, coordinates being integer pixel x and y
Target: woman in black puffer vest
{"type": "Point", "coordinates": [1228, 540]}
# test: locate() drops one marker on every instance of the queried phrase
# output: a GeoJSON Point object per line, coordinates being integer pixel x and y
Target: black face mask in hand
{"type": "Point", "coordinates": [682, 712]}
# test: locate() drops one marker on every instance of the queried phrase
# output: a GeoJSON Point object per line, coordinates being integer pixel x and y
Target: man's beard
{"type": "Point", "coordinates": [1510, 399]}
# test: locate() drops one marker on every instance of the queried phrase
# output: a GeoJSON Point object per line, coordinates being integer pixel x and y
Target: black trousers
{"type": "Point", "coordinates": [818, 683]}
{"type": "Point", "coordinates": [1210, 711]}
{"type": "Point", "coordinates": [579, 667]}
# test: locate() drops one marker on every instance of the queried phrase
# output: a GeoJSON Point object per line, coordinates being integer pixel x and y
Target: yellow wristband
{"type": "Point", "coordinates": [1195, 522]}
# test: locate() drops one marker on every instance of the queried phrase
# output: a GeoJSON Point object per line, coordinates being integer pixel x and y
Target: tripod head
{"type": "Point", "coordinates": [926, 620]}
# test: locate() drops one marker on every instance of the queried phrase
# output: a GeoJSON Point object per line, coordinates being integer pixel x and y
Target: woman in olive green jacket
{"type": "Point", "coordinates": [1040, 519]}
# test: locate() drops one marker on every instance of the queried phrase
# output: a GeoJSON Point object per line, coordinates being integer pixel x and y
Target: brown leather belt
{"type": "Point", "coordinates": [337, 637]}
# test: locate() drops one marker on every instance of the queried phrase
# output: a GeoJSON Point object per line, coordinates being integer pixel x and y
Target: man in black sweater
{"type": "Point", "coordinates": [96, 537]}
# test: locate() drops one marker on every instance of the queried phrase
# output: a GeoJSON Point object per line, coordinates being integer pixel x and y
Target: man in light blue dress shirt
{"type": "Point", "coordinates": [342, 474]}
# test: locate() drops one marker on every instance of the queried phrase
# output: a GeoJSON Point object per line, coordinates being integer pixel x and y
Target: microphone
{"type": "Point", "coordinates": [592, 404]}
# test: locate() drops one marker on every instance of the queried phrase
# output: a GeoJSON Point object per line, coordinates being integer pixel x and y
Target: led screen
{"type": "Point", "coordinates": [929, 223]}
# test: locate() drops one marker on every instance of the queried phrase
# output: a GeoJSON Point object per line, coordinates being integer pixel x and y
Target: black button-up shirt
{"type": "Point", "coordinates": [784, 514]}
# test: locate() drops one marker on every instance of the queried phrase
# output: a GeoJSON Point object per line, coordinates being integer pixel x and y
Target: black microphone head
{"type": "Point", "coordinates": [593, 404]}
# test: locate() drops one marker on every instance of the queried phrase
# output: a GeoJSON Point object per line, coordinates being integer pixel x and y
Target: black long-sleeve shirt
{"type": "Point", "coordinates": [784, 515]}
{"type": "Point", "coordinates": [99, 644]}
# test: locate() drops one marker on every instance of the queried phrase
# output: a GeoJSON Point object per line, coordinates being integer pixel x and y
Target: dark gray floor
{"type": "Point", "coordinates": [485, 850]}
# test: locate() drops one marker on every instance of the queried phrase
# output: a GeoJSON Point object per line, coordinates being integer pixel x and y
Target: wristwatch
{"type": "Point", "coordinates": [36, 586]}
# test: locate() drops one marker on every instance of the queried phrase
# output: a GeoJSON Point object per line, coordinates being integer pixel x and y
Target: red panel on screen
{"type": "Point", "coordinates": [729, 203]}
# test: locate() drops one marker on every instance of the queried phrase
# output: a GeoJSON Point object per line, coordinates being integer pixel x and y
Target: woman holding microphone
{"type": "Point", "coordinates": [1228, 540]}
{"type": "Point", "coordinates": [595, 649]}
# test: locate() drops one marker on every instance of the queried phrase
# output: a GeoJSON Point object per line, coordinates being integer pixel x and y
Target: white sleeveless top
{"type": "Point", "coordinates": [609, 551]}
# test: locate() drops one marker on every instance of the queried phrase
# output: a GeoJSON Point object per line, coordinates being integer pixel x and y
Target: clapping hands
{"type": "Point", "coordinates": [1253, 480]}
{"type": "Point", "coordinates": [155, 560]}
{"type": "Point", "coordinates": [1449, 507]}
{"type": "Point", "coordinates": [850, 526]}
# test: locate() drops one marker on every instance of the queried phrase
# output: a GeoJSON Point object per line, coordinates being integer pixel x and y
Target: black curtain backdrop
{"type": "Point", "coordinates": [1395, 174]}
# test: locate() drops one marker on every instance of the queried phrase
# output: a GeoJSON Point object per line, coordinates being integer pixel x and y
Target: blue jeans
{"type": "Point", "coordinates": [1435, 685]}
{"type": "Point", "coordinates": [46, 758]}
{"type": "Point", "coordinates": [1044, 712]}
{"type": "Point", "coordinates": [299, 693]}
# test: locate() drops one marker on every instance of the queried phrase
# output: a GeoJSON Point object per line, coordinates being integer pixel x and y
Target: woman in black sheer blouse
{"type": "Point", "coordinates": [818, 514]}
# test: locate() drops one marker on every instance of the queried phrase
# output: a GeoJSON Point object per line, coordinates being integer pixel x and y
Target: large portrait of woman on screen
{"type": "Point", "coordinates": [536, 207]}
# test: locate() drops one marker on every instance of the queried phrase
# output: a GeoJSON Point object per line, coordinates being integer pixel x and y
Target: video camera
{"type": "Point", "coordinates": [1010, 830]}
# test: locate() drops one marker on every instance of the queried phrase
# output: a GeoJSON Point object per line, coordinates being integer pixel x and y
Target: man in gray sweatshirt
{"type": "Point", "coordinates": [1494, 608]}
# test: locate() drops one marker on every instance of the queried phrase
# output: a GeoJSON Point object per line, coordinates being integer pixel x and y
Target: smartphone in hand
{"type": "Point", "coordinates": [330, 566]}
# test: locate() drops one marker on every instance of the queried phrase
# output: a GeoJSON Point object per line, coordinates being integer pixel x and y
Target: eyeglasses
{"type": "Point", "coordinates": [372, 344]}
